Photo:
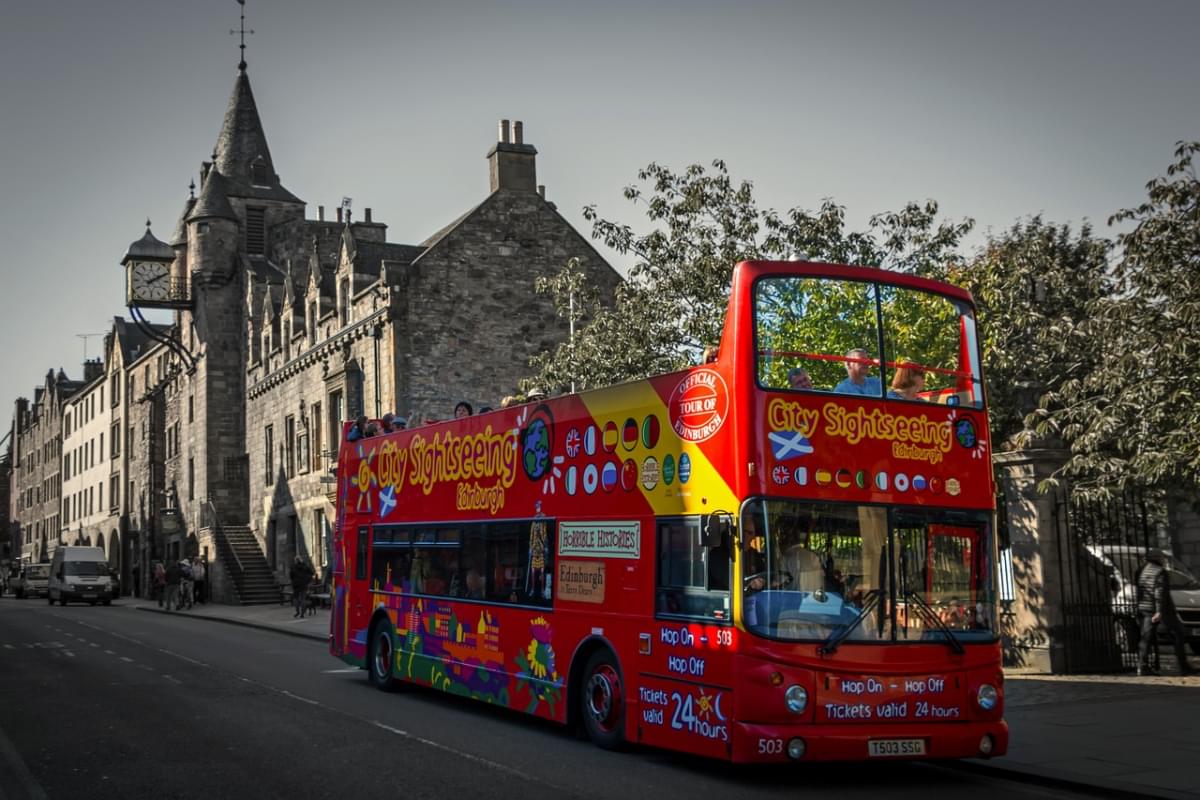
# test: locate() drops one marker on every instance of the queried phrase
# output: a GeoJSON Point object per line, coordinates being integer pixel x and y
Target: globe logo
{"type": "Point", "coordinates": [964, 432]}
{"type": "Point", "coordinates": [535, 449]}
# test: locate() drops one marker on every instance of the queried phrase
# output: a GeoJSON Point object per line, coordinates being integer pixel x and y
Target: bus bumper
{"type": "Point", "coordinates": [768, 743]}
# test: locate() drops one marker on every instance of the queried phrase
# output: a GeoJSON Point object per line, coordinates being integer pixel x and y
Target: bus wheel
{"type": "Point", "coordinates": [381, 657]}
{"type": "Point", "coordinates": [603, 702]}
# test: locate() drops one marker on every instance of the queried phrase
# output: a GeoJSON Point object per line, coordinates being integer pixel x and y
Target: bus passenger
{"type": "Point", "coordinates": [857, 381]}
{"type": "Point", "coordinates": [798, 378]}
{"type": "Point", "coordinates": [907, 383]}
{"type": "Point", "coordinates": [358, 430]}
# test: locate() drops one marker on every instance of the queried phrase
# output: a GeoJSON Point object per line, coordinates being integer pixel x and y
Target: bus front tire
{"type": "Point", "coordinates": [602, 702]}
{"type": "Point", "coordinates": [381, 657]}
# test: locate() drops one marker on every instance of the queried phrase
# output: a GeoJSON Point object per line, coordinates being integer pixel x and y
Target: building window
{"type": "Point", "coordinates": [344, 302]}
{"type": "Point", "coordinates": [191, 478]}
{"type": "Point", "coordinates": [335, 420]}
{"type": "Point", "coordinates": [258, 172]}
{"type": "Point", "coordinates": [115, 438]}
{"type": "Point", "coordinates": [322, 538]}
{"type": "Point", "coordinates": [269, 451]}
{"type": "Point", "coordinates": [312, 322]}
{"type": "Point", "coordinates": [191, 409]}
{"type": "Point", "coordinates": [115, 392]}
{"type": "Point", "coordinates": [114, 491]}
{"type": "Point", "coordinates": [302, 457]}
{"type": "Point", "coordinates": [289, 445]}
{"type": "Point", "coordinates": [317, 444]}
{"type": "Point", "coordinates": [256, 240]}
{"type": "Point", "coordinates": [129, 445]}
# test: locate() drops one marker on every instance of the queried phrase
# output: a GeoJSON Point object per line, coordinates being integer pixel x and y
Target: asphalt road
{"type": "Point", "coordinates": [112, 702]}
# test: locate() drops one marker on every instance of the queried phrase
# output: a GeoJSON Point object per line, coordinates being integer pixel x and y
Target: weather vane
{"type": "Point", "coordinates": [243, 32]}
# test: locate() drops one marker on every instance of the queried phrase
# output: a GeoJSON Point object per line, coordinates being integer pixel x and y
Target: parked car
{"type": "Point", "coordinates": [1124, 562]}
{"type": "Point", "coordinates": [32, 581]}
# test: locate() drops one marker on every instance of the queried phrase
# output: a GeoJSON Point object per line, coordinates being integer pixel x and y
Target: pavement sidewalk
{"type": "Point", "coordinates": [1111, 735]}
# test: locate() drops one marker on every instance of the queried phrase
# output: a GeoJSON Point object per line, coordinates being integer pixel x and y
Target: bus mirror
{"type": "Point", "coordinates": [716, 529]}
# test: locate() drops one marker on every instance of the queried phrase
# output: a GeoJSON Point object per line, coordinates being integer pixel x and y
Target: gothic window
{"type": "Point", "coordinates": [344, 302]}
{"type": "Point", "coordinates": [256, 234]}
{"type": "Point", "coordinates": [289, 432]}
{"type": "Point", "coordinates": [269, 452]}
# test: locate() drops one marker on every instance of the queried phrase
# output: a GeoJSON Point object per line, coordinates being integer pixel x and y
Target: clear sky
{"type": "Point", "coordinates": [997, 110]}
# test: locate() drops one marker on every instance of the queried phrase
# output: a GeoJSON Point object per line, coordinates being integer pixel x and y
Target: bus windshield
{"type": "Point", "coordinates": [811, 570]}
{"type": "Point", "coordinates": [833, 331]}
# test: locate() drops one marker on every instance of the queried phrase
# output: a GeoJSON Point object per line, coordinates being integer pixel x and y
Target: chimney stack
{"type": "Point", "coordinates": [368, 215]}
{"type": "Point", "coordinates": [92, 368]}
{"type": "Point", "coordinates": [339, 218]}
{"type": "Point", "coordinates": [320, 213]}
{"type": "Point", "coordinates": [512, 164]}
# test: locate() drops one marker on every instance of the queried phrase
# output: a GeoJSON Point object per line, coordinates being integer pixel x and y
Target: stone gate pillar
{"type": "Point", "coordinates": [1031, 626]}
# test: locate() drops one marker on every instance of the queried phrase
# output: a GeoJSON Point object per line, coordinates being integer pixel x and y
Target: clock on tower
{"type": "Point", "coordinates": [147, 265]}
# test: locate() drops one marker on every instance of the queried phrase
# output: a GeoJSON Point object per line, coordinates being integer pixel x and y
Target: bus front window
{"type": "Point", "coordinates": [810, 571]}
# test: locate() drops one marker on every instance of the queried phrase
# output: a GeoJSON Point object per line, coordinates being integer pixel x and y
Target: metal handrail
{"type": "Point", "coordinates": [216, 520]}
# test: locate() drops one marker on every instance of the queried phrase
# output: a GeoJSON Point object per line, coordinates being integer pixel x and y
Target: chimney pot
{"type": "Point", "coordinates": [518, 132]}
{"type": "Point", "coordinates": [339, 213]}
{"type": "Point", "coordinates": [542, 190]}
{"type": "Point", "coordinates": [321, 213]}
{"type": "Point", "coordinates": [368, 213]}
{"type": "Point", "coordinates": [504, 131]}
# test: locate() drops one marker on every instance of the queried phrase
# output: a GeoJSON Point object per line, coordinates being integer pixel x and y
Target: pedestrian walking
{"type": "Point", "coordinates": [300, 574]}
{"type": "Point", "coordinates": [199, 579]}
{"type": "Point", "coordinates": [173, 577]}
{"type": "Point", "coordinates": [160, 583]}
{"type": "Point", "coordinates": [1155, 609]}
{"type": "Point", "coordinates": [185, 584]}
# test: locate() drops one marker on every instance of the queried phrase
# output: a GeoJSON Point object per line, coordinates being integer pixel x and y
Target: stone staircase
{"type": "Point", "coordinates": [252, 579]}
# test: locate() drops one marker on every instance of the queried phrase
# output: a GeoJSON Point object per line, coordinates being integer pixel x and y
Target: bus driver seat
{"type": "Point", "coordinates": [805, 568]}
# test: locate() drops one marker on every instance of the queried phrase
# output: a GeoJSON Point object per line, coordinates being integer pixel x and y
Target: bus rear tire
{"type": "Point", "coordinates": [602, 701]}
{"type": "Point", "coordinates": [381, 658]}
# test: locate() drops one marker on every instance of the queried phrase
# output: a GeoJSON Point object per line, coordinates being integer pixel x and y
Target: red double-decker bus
{"type": "Point", "coordinates": [784, 554]}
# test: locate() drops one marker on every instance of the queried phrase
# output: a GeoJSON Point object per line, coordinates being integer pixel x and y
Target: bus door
{"type": "Point", "coordinates": [359, 599]}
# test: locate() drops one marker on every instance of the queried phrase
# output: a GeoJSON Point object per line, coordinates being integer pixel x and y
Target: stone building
{"type": "Point", "coordinates": [90, 509]}
{"type": "Point", "coordinates": [36, 467]}
{"type": "Point", "coordinates": [288, 326]}
{"type": "Point", "coordinates": [6, 545]}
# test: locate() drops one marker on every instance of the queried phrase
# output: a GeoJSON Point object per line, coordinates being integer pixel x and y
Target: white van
{"type": "Point", "coordinates": [80, 573]}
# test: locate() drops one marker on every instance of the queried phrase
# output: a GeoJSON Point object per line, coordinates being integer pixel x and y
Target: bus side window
{"type": "Point", "coordinates": [693, 580]}
{"type": "Point", "coordinates": [520, 561]}
{"type": "Point", "coordinates": [361, 552]}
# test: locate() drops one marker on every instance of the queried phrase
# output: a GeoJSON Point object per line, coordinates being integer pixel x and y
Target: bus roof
{"type": "Point", "coordinates": [756, 269]}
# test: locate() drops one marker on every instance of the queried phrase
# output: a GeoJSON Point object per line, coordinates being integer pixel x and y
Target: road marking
{"type": "Point", "coordinates": [172, 680]}
{"type": "Point", "coordinates": [109, 653]}
{"type": "Point", "coordinates": [127, 658]}
{"type": "Point", "coordinates": [286, 693]}
{"type": "Point", "coordinates": [463, 754]}
{"type": "Point", "coordinates": [9, 647]}
{"type": "Point", "coordinates": [334, 671]}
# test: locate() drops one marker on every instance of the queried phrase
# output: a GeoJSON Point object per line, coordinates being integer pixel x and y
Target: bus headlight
{"type": "Point", "coordinates": [796, 698]}
{"type": "Point", "coordinates": [987, 697]}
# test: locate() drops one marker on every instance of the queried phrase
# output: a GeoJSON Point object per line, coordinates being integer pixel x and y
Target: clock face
{"type": "Point", "coordinates": [149, 280]}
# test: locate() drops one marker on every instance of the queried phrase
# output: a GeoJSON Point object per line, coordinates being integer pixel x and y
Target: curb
{"type": "Point", "coordinates": [319, 637]}
{"type": "Point", "coordinates": [1048, 777]}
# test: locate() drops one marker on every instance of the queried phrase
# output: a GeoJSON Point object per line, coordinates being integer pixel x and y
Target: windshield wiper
{"type": "Point", "coordinates": [931, 616]}
{"type": "Point", "coordinates": [830, 645]}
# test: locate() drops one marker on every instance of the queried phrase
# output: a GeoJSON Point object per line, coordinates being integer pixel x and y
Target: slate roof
{"type": "Point", "coordinates": [132, 340]}
{"type": "Point", "coordinates": [369, 256]}
{"type": "Point", "coordinates": [179, 235]}
{"type": "Point", "coordinates": [241, 142]}
{"type": "Point", "coordinates": [213, 202]}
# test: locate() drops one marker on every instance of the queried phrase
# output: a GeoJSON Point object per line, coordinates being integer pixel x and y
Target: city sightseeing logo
{"type": "Point", "coordinates": [699, 405]}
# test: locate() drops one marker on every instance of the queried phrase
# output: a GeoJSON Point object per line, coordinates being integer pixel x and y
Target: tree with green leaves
{"type": "Point", "coordinates": [1134, 415]}
{"type": "Point", "coordinates": [702, 223]}
{"type": "Point", "coordinates": [1034, 286]}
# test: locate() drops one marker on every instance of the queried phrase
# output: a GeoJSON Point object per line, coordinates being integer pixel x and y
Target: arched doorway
{"type": "Point", "coordinates": [100, 540]}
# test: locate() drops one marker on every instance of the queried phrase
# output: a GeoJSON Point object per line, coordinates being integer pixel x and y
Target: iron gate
{"type": "Point", "coordinates": [1102, 545]}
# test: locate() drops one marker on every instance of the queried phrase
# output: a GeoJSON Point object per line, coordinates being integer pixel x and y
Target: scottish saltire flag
{"type": "Point", "coordinates": [789, 444]}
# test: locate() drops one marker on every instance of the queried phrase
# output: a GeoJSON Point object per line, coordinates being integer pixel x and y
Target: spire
{"type": "Point", "coordinates": [213, 202]}
{"type": "Point", "coordinates": [242, 153]}
{"type": "Point", "coordinates": [179, 235]}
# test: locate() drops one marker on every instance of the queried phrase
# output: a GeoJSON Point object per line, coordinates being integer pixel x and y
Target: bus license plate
{"type": "Point", "coordinates": [886, 748]}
